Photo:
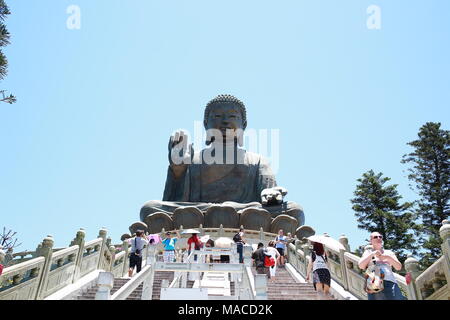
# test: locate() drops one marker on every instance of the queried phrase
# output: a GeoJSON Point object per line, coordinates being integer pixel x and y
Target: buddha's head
{"type": "Point", "coordinates": [227, 114]}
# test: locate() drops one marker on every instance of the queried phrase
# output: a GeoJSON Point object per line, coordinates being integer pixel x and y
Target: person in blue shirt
{"type": "Point", "coordinates": [169, 247]}
{"type": "Point", "coordinates": [280, 245]}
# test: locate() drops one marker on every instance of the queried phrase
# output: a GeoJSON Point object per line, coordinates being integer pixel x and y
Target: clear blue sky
{"type": "Point", "coordinates": [85, 146]}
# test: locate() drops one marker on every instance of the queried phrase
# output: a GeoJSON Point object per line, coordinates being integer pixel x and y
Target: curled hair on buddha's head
{"type": "Point", "coordinates": [226, 98]}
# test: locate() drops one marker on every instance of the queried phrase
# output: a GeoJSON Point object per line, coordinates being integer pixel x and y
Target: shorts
{"type": "Point", "coordinates": [169, 256]}
{"type": "Point", "coordinates": [281, 251]}
{"type": "Point", "coordinates": [135, 261]}
{"type": "Point", "coordinates": [321, 276]}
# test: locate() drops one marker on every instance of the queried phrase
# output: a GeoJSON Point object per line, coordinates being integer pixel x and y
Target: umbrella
{"type": "Point", "coordinates": [190, 231]}
{"type": "Point", "coordinates": [327, 241]}
{"type": "Point", "coordinates": [205, 238]}
{"type": "Point", "coordinates": [223, 242]}
{"type": "Point", "coordinates": [156, 238]}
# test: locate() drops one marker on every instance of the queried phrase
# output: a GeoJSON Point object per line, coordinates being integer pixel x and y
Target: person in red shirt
{"type": "Point", "coordinates": [193, 240]}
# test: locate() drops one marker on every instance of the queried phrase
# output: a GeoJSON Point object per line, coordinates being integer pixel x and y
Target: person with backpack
{"type": "Point", "coordinates": [319, 267]}
{"type": "Point", "coordinates": [137, 245]}
{"type": "Point", "coordinates": [194, 240]}
{"type": "Point", "coordinates": [258, 257]}
{"type": "Point", "coordinates": [273, 255]}
{"type": "Point", "coordinates": [239, 240]}
{"type": "Point", "coordinates": [382, 261]}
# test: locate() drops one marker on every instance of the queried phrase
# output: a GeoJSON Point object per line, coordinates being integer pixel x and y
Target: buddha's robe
{"type": "Point", "coordinates": [203, 185]}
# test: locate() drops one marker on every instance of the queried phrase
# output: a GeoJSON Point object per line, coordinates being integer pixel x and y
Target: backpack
{"type": "Point", "coordinates": [198, 245]}
{"type": "Point", "coordinates": [237, 237]}
{"type": "Point", "coordinates": [138, 251]}
{"type": "Point", "coordinates": [269, 261]}
{"type": "Point", "coordinates": [313, 257]}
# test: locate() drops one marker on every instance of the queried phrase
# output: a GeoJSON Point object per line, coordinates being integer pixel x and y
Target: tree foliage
{"type": "Point", "coordinates": [8, 239]}
{"type": "Point", "coordinates": [4, 41]}
{"type": "Point", "coordinates": [430, 177]}
{"type": "Point", "coordinates": [377, 208]}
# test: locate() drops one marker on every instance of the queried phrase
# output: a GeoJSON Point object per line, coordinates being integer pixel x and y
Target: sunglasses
{"type": "Point", "coordinates": [377, 237]}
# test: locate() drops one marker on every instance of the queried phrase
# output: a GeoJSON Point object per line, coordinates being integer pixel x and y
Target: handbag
{"type": "Point", "coordinates": [137, 251]}
{"type": "Point", "coordinates": [374, 278]}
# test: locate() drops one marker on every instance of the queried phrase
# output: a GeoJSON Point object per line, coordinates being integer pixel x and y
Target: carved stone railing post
{"type": "Point", "coordinates": [112, 251]}
{"type": "Point", "coordinates": [147, 288]}
{"type": "Point", "coordinates": [221, 232]}
{"type": "Point", "coordinates": [247, 256]}
{"type": "Point", "coordinates": [151, 254]}
{"type": "Point", "coordinates": [102, 234]}
{"type": "Point", "coordinates": [200, 229]}
{"type": "Point", "coordinates": [45, 250]}
{"type": "Point", "coordinates": [295, 258]}
{"type": "Point", "coordinates": [2, 255]}
{"type": "Point", "coordinates": [444, 232]}
{"type": "Point", "coordinates": [105, 284]}
{"type": "Point", "coordinates": [307, 251]}
{"type": "Point", "coordinates": [78, 241]}
{"type": "Point", "coordinates": [126, 262]}
{"type": "Point", "coordinates": [344, 241]}
{"type": "Point", "coordinates": [261, 234]}
{"type": "Point", "coordinates": [261, 286]}
{"type": "Point", "coordinates": [412, 267]}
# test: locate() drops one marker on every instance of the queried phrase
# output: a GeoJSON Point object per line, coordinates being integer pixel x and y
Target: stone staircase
{"type": "Point", "coordinates": [157, 281]}
{"type": "Point", "coordinates": [118, 283]}
{"type": "Point", "coordinates": [285, 287]}
{"type": "Point", "coordinates": [136, 295]}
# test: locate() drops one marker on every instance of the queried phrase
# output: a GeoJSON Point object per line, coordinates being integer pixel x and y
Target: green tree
{"type": "Point", "coordinates": [4, 41]}
{"type": "Point", "coordinates": [430, 175]}
{"type": "Point", "coordinates": [377, 208]}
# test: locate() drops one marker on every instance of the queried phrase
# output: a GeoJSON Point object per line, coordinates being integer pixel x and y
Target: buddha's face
{"type": "Point", "coordinates": [225, 117]}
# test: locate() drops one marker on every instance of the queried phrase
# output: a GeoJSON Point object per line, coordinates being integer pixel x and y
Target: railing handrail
{"type": "Point", "coordinates": [131, 285]}
{"type": "Point", "coordinates": [65, 251]}
{"type": "Point", "coordinates": [92, 242]}
{"type": "Point", "coordinates": [429, 272]}
{"type": "Point", "coordinates": [251, 280]}
{"type": "Point", "coordinates": [21, 266]}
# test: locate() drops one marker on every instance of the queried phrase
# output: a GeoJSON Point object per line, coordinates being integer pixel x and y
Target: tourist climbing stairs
{"type": "Point", "coordinates": [286, 287]}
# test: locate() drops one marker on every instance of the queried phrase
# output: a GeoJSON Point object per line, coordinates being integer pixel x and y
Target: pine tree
{"type": "Point", "coordinates": [4, 41]}
{"type": "Point", "coordinates": [430, 175]}
{"type": "Point", "coordinates": [377, 208]}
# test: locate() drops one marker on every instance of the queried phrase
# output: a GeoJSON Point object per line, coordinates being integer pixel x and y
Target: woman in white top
{"type": "Point", "coordinates": [385, 259]}
{"type": "Point", "coordinates": [318, 266]}
{"type": "Point", "coordinates": [275, 255]}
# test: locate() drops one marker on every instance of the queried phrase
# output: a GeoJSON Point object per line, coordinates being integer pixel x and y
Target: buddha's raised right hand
{"type": "Point", "coordinates": [180, 153]}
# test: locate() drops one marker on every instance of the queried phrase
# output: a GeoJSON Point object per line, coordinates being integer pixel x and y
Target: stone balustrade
{"type": "Point", "coordinates": [433, 283]}
{"type": "Point", "coordinates": [52, 269]}
{"type": "Point", "coordinates": [21, 282]}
